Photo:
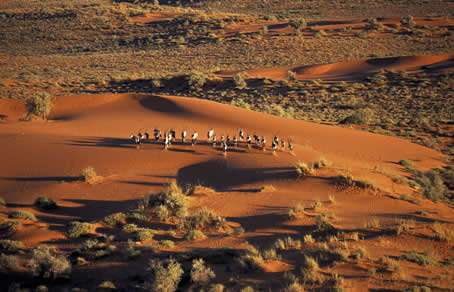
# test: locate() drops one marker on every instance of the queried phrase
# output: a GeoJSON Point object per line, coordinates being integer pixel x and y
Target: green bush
{"type": "Point", "coordinates": [196, 80]}
{"type": "Point", "coordinates": [40, 104]}
{"type": "Point", "coordinates": [21, 214]}
{"type": "Point", "coordinates": [115, 219]}
{"type": "Point", "coordinates": [78, 229]}
{"type": "Point", "coordinates": [166, 275]}
{"type": "Point", "coordinates": [200, 273]}
{"type": "Point", "coordinates": [44, 203]}
{"type": "Point", "coordinates": [46, 262]}
{"type": "Point", "coordinates": [432, 185]}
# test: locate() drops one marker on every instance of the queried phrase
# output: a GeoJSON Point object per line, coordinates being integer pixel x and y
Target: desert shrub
{"type": "Point", "coordinates": [407, 164]}
{"type": "Point", "coordinates": [46, 262]}
{"type": "Point", "coordinates": [198, 190]}
{"type": "Point", "coordinates": [409, 199]}
{"type": "Point", "coordinates": [9, 263]}
{"type": "Point", "coordinates": [310, 271]}
{"type": "Point", "coordinates": [387, 264]}
{"type": "Point", "coordinates": [10, 246]}
{"type": "Point", "coordinates": [89, 175]}
{"type": "Point", "coordinates": [322, 162]}
{"type": "Point", "coordinates": [130, 228]}
{"type": "Point", "coordinates": [432, 185]}
{"type": "Point", "coordinates": [44, 203]}
{"type": "Point", "coordinates": [308, 238]}
{"type": "Point", "coordinates": [200, 273]}
{"type": "Point", "coordinates": [327, 254]}
{"type": "Point", "coordinates": [373, 223]}
{"type": "Point", "coordinates": [173, 199]}
{"type": "Point", "coordinates": [40, 105]}
{"type": "Point", "coordinates": [323, 224]}
{"type": "Point", "coordinates": [144, 234]}
{"type": "Point", "coordinates": [201, 219]}
{"type": "Point", "coordinates": [196, 80]}
{"type": "Point", "coordinates": [303, 169]}
{"type": "Point", "coordinates": [131, 250]}
{"type": "Point", "coordinates": [21, 214]}
{"type": "Point", "coordinates": [332, 199]}
{"type": "Point", "coordinates": [78, 229]}
{"type": "Point", "coordinates": [359, 253]}
{"type": "Point", "coordinates": [2, 201]}
{"type": "Point", "coordinates": [360, 117]}
{"type": "Point", "coordinates": [287, 243]}
{"type": "Point", "coordinates": [247, 289]}
{"type": "Point", "coordinates": [162, 212]}
{"type": "Point", "coordinates": [239, 81]}
{"type": "Point", "coordinates": [296, 212]}
{"type": "Point", "coordinates": [421, 259]}
{"type": "Point", "coordinates": [8, 228]}
{"type": "Point", "coordinates": [316, 205]}
{"type": "Point", "coordinates": [407, 21]}
{"type": "Point", "coordinates": [107, 285]}
{"type": "Point", "coordinates": [115, 219]}
{"type": "Point", "coordinates": [404, 226]}
{"type": "Point", "coordinates": [374, 24]}
{"type": "Point", "coordinates": [270, 254]}
{"type": "Point", "coordinates": [298, 24]}
{"type": "Point", "coordinates": [239, 102]}
{"type": "Point", "coordinates": [251, 260]}
{"type": "Point", "coordinates": [167, 243]}
{"type": "Point", "coordinates": [194, 235]}
{"type": "Point", "coordinates": [166, 275]}
{"type": "Point", "coordinates": [353, 236]}
{"type": "Point", "coordinates": [216, 288]}
{"type": "Point", "coordinates": [443, 232]}
{"type": "Point", "coordinates": [291, 75]}
{"type": "Point", "coordinates": [294, 287]}
{"type": "Point", "coordinates": [333, 283]}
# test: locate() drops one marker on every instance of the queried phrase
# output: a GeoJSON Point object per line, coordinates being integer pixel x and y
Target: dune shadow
{"type": "Point", "coordinates": [102, 142]}
{"type": "Point", "coordinates": [42, 178]}
{"type": "Point", "coordinates": [219, 175]}
{"type": "Point", "coordinates": [144, 183]}
{"type": "Point", "coordinates": [161, 104]}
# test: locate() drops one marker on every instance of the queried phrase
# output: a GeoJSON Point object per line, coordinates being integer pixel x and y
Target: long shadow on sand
{"type": "Point", "coordinates": [41, 178]}
{"type": "Point", "coordinates": [102, 142]}
{"type": "Point", "coordinates": [219, 175]}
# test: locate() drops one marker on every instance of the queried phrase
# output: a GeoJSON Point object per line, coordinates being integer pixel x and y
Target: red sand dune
{"type": "Point", "coordinates": [45, 158]}
{"type": "Point", "coordinates": [351, 70]}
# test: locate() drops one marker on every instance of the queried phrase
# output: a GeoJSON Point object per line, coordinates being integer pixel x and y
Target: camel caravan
{"type": "Point", "coordinates": [224, 143]}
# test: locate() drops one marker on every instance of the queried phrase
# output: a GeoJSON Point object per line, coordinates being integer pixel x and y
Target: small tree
{"type": "Point", "coordinates": [47, 263]}
{"type": "Point", "coordinates": [40, 104]}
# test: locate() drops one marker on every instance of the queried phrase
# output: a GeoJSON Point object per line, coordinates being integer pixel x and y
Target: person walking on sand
{"type": "Point", "coordinates": [290, 145]}
{"type": "Point", "coordinates": [194, 138]}
{"type": "Point", "coordinates": [184, 134]}
{"type": "Point", "coordinates": [263, 143]}
{"type": "Point", "coordinates": [241, 135]}
{"type": "Point", "coordinates": [225, 147]}
{"type": "Point", "coordinates": [156, 135]}
{"type": "Point", "coordinates": [274, 146]}
{"type": "Point", "coordinates": [248, 141]}
{"type": "Point", "coordinates": [167, 141]}
{"type": "Point", "coordinates": [210, 135]}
